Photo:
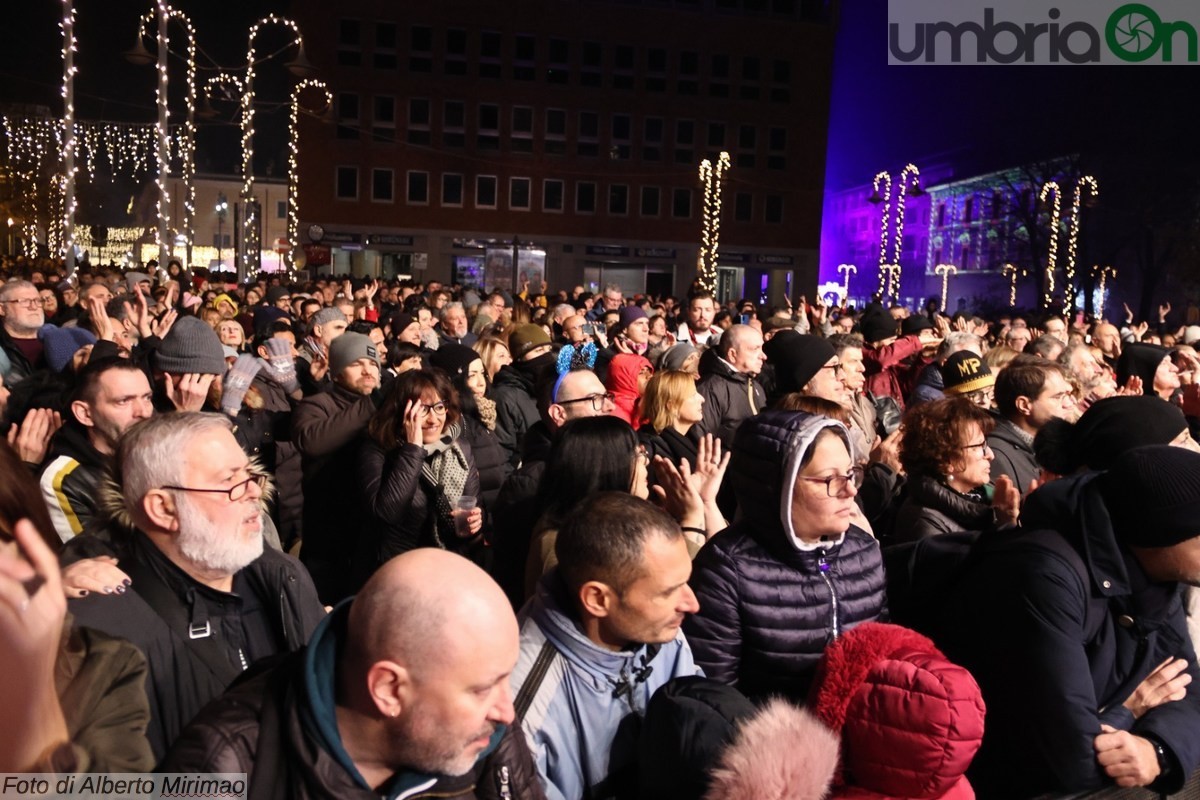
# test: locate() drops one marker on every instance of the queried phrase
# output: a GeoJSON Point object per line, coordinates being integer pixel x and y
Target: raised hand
{"type": "Point", "coordinates": [188, 392]}
{"type": "Point", "coordinates": [412, 423]}
{"type": "Point", "coordinates": [31, 439]}
{"type": "Point", "coordinates": [710, 468]}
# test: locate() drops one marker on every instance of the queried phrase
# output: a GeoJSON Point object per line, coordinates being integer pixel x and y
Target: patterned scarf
{"type": "Point", "coordinates": [444, 475]}
{"type": "Point", "coordinates": [487, 412]}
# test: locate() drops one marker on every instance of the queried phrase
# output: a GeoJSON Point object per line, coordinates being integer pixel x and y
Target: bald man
{"type": "Point", "coordinates": [402, 690]}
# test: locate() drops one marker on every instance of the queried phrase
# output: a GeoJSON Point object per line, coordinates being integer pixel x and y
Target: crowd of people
{"type": "Point", "coordinates": [357, 537]}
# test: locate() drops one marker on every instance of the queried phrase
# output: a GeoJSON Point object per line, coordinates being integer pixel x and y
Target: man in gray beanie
{"type": "Point", "coordinates": [186, 364]}
{"type": "Point", "coordinates": [1074, 629]}
{"type": "Point", "coordinates": [312, 364]}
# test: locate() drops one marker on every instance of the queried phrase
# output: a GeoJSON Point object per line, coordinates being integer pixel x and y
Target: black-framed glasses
{"type": "Point", "coordinates": [28, 302]}
{"type": "Point", "coordinates": [835, 485]}
{"type": "Point", "coordinates": [835, 367]}
{"type": "Point", "coordinates": [983, 446]}
{"type": "Point", "coordinates": [438, 409]}
{"type": "Point", "coordinates": [598, 401]}
{"type": "Point", "coordinates": [234, 493]}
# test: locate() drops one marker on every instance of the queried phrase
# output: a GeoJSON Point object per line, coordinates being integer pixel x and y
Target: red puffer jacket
{"type": "Point", "coordinates": [910, 721]}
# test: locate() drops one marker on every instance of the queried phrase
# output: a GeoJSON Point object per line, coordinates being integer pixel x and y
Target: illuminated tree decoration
{"type": "Point", "coordinates": [69, 137]}
{"type": "Point", "coordinates": [945, 270]}
{"type": "Point", "coordinates": [710, 234]}
{"type": "Point", "coordinates": [1052, 259]}
{"type": "Point", "coordinates": [1088, 182]}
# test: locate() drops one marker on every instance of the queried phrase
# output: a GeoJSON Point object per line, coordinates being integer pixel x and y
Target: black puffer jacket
{"type": "Point", "coordinates": [516, 405]}
{"type": "Point", "coordinates": [727, 400]}
{"type": "Point", "coordinates": [933, 508]}
{"type": "Point", "coordinates": [768, 608]}
{"type": "Point", "coordinates": [516, 513]}
{"type": "Point", "coordinates": [490, 460]}
{"type": "Point", "coordinates": [400, 511]}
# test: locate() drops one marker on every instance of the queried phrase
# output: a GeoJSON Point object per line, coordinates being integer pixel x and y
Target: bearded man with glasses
{"type": "Point", "coordinates": [205, 600]}
{"type": "Point", "coordinates": [23, 316]}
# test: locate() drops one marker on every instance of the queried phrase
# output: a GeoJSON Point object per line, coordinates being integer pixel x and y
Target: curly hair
{"type": "Point", "coordinates": [936, 432]}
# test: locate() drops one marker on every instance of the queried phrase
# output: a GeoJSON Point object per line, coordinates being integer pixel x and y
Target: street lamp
{"type": "Point", "coordinates": [222, 210]}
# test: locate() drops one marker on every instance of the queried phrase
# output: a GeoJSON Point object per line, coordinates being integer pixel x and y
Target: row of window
{"type": "Point", "coordinates": [549, 130]}
{"type": "Point", "coordinates": [618, 199]}
{"type": "Point", "coordinates": [523, 57]}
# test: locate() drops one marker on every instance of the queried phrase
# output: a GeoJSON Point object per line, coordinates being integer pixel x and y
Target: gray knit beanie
{"type": "Point", "coordinates": [324, 316]}
{"type": "Point", "coordinates": [348, 348]}
{"type": "Point", "coordinates": [190, 346]}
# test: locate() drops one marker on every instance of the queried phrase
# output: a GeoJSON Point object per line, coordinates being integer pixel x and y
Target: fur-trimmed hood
{"type": "Point", "coordinates": [910, 720]}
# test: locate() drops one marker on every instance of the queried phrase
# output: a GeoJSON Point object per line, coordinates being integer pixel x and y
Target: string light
{"type": "Point", "coordinates": [945, 270]}
{"type": "Point", "coordinates": [1052, 260]}
{"type": "Point", "coordinates": [885, 222]}
{"type": "Point", "coordinates": [1011, 272]}
{"type": "Point", "coordinates": [910, 174]}
{"type": "Point", "coordinates": [250, 241]}
{"type": "Point", "coordinates": [710, 233]}
{"type": "Point", "coordinates": [847, 270]}
{"type": "Point", "coordinates": [293, 202]}
{"type": "Point", "coordinates": [69, 140]}
{"type": "Point", "coordinates": [1103, 273]}
{"type": "Point", "coordinates": [1072, 243]}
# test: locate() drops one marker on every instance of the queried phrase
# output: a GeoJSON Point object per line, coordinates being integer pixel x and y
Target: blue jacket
{"type": "Point", "coordinates": [573, 718]}
{"type": "Point", "coordinates": [767, 607]}
{"type": "Point", "coordinates": [1058, 634]}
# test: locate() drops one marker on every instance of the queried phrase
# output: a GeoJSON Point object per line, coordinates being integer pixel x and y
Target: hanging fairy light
{"type": "Point", "coordinates": [847, 270]}
{"type": "Point", "coordinates": [710, 233]}
{"type": "Point", "coordinates": [1103, 273]}
{"type": "Point", "coordinates": [1052, 260]}
{"type": "Point", "coordinates": [69, 141]}
{"type": "Point", "coordinates": [1088, 182]}
{"type": "Point", "coordinates": [909, 175]}
{"type": "Point", "coordinates": [884, 179]}
{"type": "Point", "coordinates": [1011, 272]}
{"type": "Point", "coordinates": [945, 270]}
{"type": "Point", "coordinates": [251, 248]}
{"type": "Point", "coordinates": [293, 201]}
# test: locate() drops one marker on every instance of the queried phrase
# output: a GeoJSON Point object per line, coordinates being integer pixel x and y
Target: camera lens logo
{"type": "Point", "coordinates": [1132, 32]}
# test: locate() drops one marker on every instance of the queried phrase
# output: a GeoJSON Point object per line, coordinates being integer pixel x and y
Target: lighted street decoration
{"type": "Point", "coordinates": [710, 234]}
{"type": "Point", "coordinates": [69, 140]}
{"type": "Point", "coordinates": [945, 270]}
{"type": "Point", "coordinates": [910, 176]}
{"type": "Point", "coordinates": [847, 270]}
{"type": "Point", "coordinates": [1103, 273]}
{"type": "Point", "coordinates": [1012, 272]}
{"type": "Point", "coordinates": [1055, 215]}
{"type": "Point", "coordinates": [1086, 182]}
{"type": "Point", "coordinates": [293, 204]}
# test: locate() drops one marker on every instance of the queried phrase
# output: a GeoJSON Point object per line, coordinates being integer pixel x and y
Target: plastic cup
{"type": "Point", "coordinates": [463, 507]}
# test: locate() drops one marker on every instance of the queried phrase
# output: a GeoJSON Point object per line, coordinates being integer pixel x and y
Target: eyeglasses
{"type": "Point", "coordinates": [235, 493]}
{"type": "Point", "coordinates": [598, 401]}
{"type": "Point", "coordinates": [983, 447]}
{"type": "Point", "coordinates": [643, 454]}
{"type": "Point", "coordinates": [437, 409]}
{"type": "Point", "coordinates": [835, 485]}
{"type": "Point", "coordinates": [28, 302]}
{"type": "Point", "coordinates": [835, 367]}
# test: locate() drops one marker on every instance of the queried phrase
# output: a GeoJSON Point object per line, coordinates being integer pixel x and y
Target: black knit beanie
{"type": "Point", "coordinates": [453, 359]}
{"type": "Point", "coordinates": [796, 358]}
{"type": "Point", "coordinates": [1115, 425]}
{"type": "Point", "coordinates": [1141, 360]}
{"type": "Point", "coordinates": [877, 326]}
{"type": "Point", "coordinates": [1153, 496]}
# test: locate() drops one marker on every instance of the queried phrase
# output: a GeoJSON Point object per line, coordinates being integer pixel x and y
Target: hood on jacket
{"type": "Point", "coordinates": [319, 708]}
{"type": "Point", "coordinates": [622, 381]}
{"type": "Point", "coordinates": [767, 451]}
{"type": "Point", "coordinates": [910, 720]}
{"type": "Point", "coordinates": [781, 753]}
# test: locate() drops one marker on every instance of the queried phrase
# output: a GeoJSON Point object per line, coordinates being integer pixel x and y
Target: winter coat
{"type": "Point", "coordinates": [727, 401]}
{"type": "Point", "coordinates": [933, 508]}
{"type": "Point", "coordinates": [400, 504]}
{"type": "Point", "coordinates": [909, 720]}
{"type": "Point", "coordinates": [517, 512]}
{"type": "Point", "coordinates": [516, 405]}
{"type": "Point", "coordinates": [490, 460]}
{"type": "Point", "coordinates": [768, 607]}
{"type": "Point", "coordinates": [280, 728]}
{"type": "Point", "coordinates": [1013, 455]}
{"type": "Point", "coordinates": [578, 703]}
{"type": "Point", "coordinates": [19, 366]}
{"type": "Point", "coordinates": [884, 365]}
{"type": "Point", "coordinates": [163, 610]}
{"type": "Point", "coordinates": [669, 443]}
{"type": "Point", "coordinates": [622, 381]}
{"type": "Point", "coordinates": [71, 479]}
{"type": "Point", "coordinates": [930, 386]}
{"type": "Point", "coordinates": [1059, 624]}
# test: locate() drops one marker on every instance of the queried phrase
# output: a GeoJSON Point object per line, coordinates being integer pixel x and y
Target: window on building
{"type": "Point", "coordinates": [681, 203]}
{"type": "Point", "coordinates": [747, 145]}
{"type": "Point", "coordinates": [559, 70]}
{"type": "Point", "coordinates": [348, 115]}
{"type": "Point", "coordinates": [485, 191]}
{"type": "Point", "coordinates": [524, 57]}
{"type": "Point", "coordinates": [592, 65]}
{"type": "Point", "coordinates": [522, 129]}
{"type": "Point", "coordinates": [585, 197]}
{"type": "Point", "coordinates": [777, 148]}
{"type": "Point", "coordinates": [651, 200]}
{"type": "Point", "coordinates": [556, 131]}
{"type": "Point", "coordinates": [455, 62]}
{"type": "Point", "coordinates": [685, 138]}
{"type": "Point", "coordinates": [349, 52]}
{"type": "Point", "coordinates": [618, 200]}
{"type": "Point", "coordinates": [488, 134]}
{"type": "Point", "coordinates": [716, 135]}
{"type": "Point", "coordinates": [652, 138]}
{"type": "Point", "coordinates": [622, 134]}
{"type": "Point", "coordinates": [381, 185]}
{"type": "Point", "coordinates": [281, 209]}
{"type": "Point", "coordinates": [588, 143]}
{"type": "Point", "coordinates": [552, 195]}
{"type": "Point", "coordinates": [656, 70]}
{"type": "Point", "coordinates": [518, 194]}
{"type": "Point", "coordinates": [718, 76]}
{"type": "Point", "coordinates": [751, 76]}
{"type": "Point", "coordinates": [781, 81]}
{"type": "Point", "coordinates": [346, 183]}
{"type": "Point", "coordinates": [452, 189]}
{"type": "Point", "coordinates": [383, 119]}
{"type": "Point", "coordinates": [418, 121]}
{"type": "Point", "coordinates": [689, 73]}
{"type": "Point", "coordinates": [773, 213]}
{"type": "Point", "coordinates": [743, 207]}
{"type": "Point", "coordinates": [491, 49]}
{"type": "Point", "coordinates": [454, 120]}
{"type": "Point", "coordinates": [420, 56]}
{"type": "Point", "coordinates": [385, 45]}
{"type": "Point", "coordinates": [418, 187]}
{"type": "Point", "coordinates": [623, 58]}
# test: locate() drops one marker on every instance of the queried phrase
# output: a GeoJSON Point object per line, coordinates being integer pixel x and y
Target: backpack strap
{"type": "Point", "coordinates": [533, 681]}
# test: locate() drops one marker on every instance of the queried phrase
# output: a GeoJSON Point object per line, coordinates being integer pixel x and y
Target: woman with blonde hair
{"type": "Point", "coordinates": [670, 408]}
{"type": "Point", "coordinates": [495, 354]}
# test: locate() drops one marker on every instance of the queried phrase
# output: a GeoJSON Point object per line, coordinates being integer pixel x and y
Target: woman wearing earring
{"type": "Point", "coordinates": [948, 462]}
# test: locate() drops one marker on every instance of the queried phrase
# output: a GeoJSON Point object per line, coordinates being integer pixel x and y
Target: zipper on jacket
{"type": "Point", "coordinates": [505, 790]}
{"type": "Point", "coordinates": [823, 568]}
